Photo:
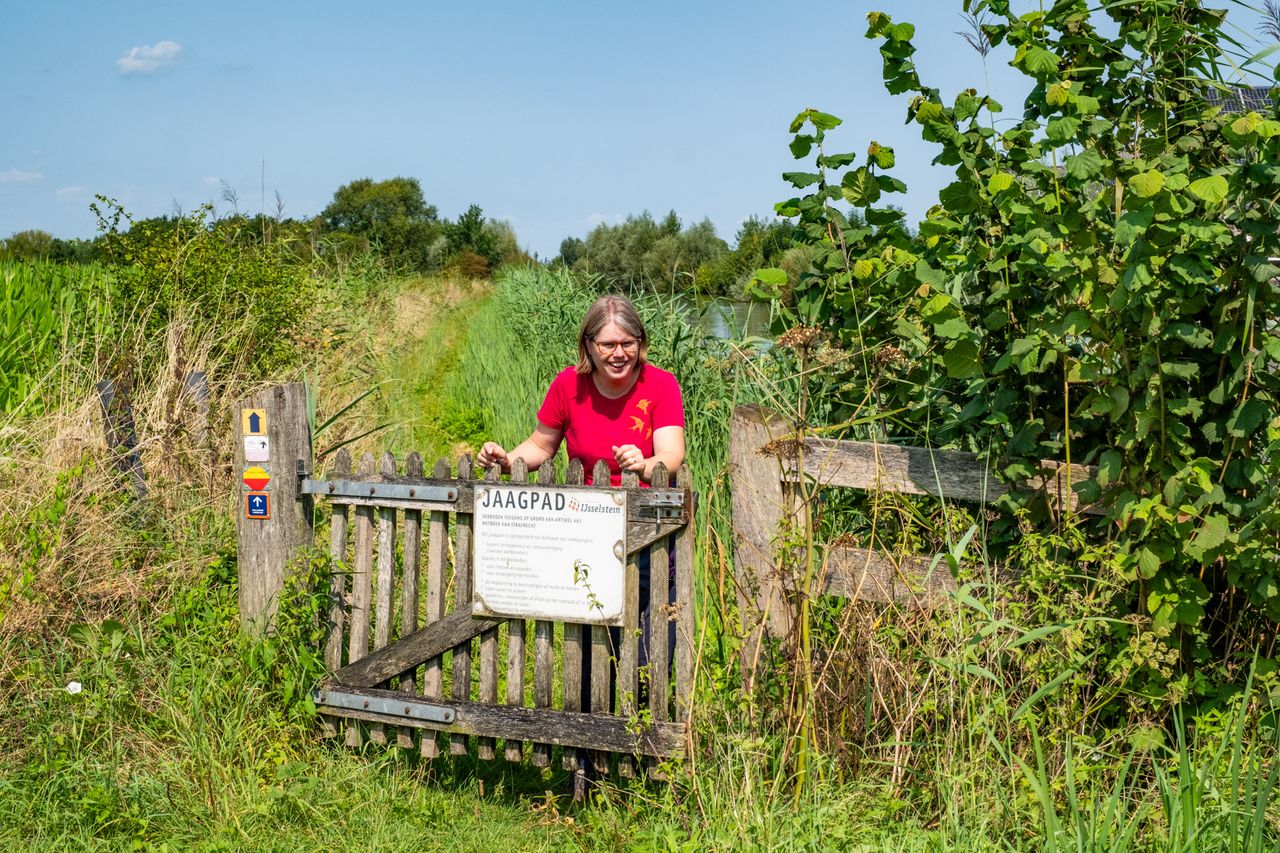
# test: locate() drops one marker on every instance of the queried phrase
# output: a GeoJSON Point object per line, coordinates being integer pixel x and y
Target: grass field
{"type": "Point", "coordinates": [135, 716]}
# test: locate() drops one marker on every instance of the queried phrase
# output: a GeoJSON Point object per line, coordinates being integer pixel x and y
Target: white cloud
{"type": "Point", "coordinates": [148, 59]}
{"type": "Point", "coordinates": [19, 176]}
{"type": "Point", "coordinates": [71, 193]}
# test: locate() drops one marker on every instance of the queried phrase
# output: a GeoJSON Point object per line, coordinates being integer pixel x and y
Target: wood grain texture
{"type": "Point", "coordinates": [265, 547]}
{"type": "Point", "coordinates": [563, 728]}
{"type": "Point", "coordinates": [437, 558]}
{"type": "Point", "coordinates": [628, 655]}
{"type": "Point", "coordinates": [543, 654]}
{"type": "Point", "coordinates": [384, 601]}
{"type": "Point", "coordinates": [513, 750]}
{"type": "Point", "coordinates": [361, 585]}
{"type": "Point", "coordinates": [686, 641]}
{"type": "Point", "coordinates": [489, 657]}
{"type": "Point", "coordinates": [338, 581]}
{"type": "Point", "coordinates": [758, 503]}
{"type": "Point", "coordinates": [462, 587]}
{"type": "Point", "coordinates": [576, 643]}
{"type": "Point", "coordinates": [602, 652]}
{"type": "Point", "coordinates": [409, 592]}
{"type": "Point", "coordinates": [453, 631]}
{"type": "Point", "coordinates": [659, 656]}
{"type": "Point", "coordinates": [949, 474]}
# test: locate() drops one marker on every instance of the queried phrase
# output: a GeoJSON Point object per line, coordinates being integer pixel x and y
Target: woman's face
{"type": "Point", "coordinates": [614, 351]}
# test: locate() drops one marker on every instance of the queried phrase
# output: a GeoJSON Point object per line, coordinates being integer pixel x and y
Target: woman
{"type": "Point", "coordinates": [611, 405]}
{"type": "Point", "coordinates": [615, 406]}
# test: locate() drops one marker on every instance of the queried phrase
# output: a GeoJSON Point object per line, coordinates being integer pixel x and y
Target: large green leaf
{"type": "Point", "coordinates": [1147, 184]}
{"type": "Point", "coordinates": [1085, 165]}
{"type": "Point", "coordinates": [1133, 224]}
{"type": "Point", "coordinates": [1212, 189]}
{"type": "Point", "coordinates": [800, 180]}
{"type": "Point", "coordinates": [962, 360]}
{"type": "Point", "coordinates": [860, 187]}
{"type": "Point", "coordinates": [1036, 61]}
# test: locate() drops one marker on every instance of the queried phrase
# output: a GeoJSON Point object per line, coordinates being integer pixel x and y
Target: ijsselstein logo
{"type": "Point", "coordinates": [529, 499]}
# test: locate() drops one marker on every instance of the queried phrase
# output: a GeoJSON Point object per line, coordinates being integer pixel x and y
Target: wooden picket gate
{"type": "Point", "coordinates": [402, 650]}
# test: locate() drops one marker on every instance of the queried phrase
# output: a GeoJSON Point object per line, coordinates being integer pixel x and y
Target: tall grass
{"type": "Point", "coordinates": [46, 311]}
{"type": "Point", "coordinates": [983, 723]}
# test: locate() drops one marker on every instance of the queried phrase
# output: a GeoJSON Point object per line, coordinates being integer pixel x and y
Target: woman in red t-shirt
{"type": "Point", "coordinates": [611, 405]}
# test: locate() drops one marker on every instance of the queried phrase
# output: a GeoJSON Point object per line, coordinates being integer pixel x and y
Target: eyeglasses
{"type": "Point", "coordinates": [606, 348]}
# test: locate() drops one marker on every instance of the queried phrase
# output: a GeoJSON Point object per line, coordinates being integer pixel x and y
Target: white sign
{"type": "Point", "coordinates": [549, 553]}
{"type": "Point", "coordinates": [257, 448]}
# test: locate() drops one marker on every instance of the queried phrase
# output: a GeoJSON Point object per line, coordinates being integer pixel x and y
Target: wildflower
{"type": "Point", "coordinates": [74, 687]}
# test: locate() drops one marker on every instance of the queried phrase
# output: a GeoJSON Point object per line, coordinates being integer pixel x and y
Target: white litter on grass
{"type": "Point", "coordinates": [74, 687]}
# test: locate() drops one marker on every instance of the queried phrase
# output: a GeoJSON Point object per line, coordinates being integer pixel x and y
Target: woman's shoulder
{"type": "Point", "coordinates": [656, 376]}
{"type": "Point", "coordinates": [567, 380]}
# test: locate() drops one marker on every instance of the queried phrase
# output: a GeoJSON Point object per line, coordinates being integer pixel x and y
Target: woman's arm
{"type": "Point", "coordinates": [540, 446]}
{"type": "Point", "coordinates": [668, 448]}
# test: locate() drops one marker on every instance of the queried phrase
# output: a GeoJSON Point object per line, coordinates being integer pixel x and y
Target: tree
{"type": "Point", "coordinates": [392, 215]}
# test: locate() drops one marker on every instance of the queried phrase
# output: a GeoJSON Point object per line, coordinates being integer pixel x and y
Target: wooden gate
{"type": "Point", "coordinates": [403, 649]}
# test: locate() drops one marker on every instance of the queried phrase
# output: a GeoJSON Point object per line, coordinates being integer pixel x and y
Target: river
{"type": "Point", "coordinates": [726, 318]}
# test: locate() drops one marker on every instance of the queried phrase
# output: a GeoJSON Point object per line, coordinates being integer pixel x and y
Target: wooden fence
{"type": "Point", "coordinates": [403, 646]}
{"type": "Point", "coordinates": [768, 461]}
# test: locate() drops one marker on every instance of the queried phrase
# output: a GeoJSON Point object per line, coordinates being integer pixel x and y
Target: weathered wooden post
{"type": "Point", "coordinates": [122, 438]}
{"type": "Point", "coordinates": [273, 518]}
{"type": "Point", "coordinates": [758, 506]}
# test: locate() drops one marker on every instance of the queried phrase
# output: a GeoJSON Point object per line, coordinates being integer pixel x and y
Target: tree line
{"type": "Point", "coordinates": [390, 219]}
{"type": "Point", "coordinates": [393, 221]}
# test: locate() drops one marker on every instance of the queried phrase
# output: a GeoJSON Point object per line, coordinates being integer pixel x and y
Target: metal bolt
{"type": "Point", "coordinates": [366, 703]}
{"type": "Point", "coordinates": [408, 710]}
{"type": "Point", "coordinates": [413, 493]}
{"type": "Point", "coordinates": [331, 488]}
{"type": "Point", "coordinates": [373, 490]}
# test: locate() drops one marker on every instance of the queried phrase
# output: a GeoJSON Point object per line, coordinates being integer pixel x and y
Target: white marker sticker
{"type": "Point", "coordinates": [257, 448]}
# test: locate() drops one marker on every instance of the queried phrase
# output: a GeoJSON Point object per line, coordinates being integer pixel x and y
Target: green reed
{"type": "Point", "coordinates": [48, 312]}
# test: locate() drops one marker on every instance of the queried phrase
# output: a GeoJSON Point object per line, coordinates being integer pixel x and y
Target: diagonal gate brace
{"type": "Point", "coordinates": [420, 646]}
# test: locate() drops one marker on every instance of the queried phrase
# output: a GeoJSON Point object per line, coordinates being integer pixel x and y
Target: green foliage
{"type": "Point", "coordinates": [392, 215]}
{"type": "Point", "coordinates": [1094, 285]}
{"type": "Point", "coordinates": [48, 312]}
{"type": "Point", "coordinates": [205, 272]}
{"type": "Point", "coordinates": [643, 253]}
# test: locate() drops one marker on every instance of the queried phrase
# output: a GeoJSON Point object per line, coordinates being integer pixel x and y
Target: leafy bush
{"type": "Point", "coordinates": [1096, 285]}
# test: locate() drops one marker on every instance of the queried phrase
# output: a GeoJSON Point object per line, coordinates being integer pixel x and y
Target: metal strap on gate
{"type": "Point", "coordinates": [363, 489]}
{"type": "Point", "coordinates": [379, 705]}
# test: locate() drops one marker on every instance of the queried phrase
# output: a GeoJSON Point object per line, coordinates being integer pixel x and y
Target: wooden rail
{"type": "Point", "coordinates": [767, 463]}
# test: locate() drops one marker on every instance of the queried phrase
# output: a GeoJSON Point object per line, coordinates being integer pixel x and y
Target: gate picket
{"type": "Point", "coordinates": [488, 658]}
{"type": "Point", "coordinates": [409, 589]}
{"type": "Point", "coordinates": [543, 649]}
{"type": "Point", "coordinates": [514, 749]}
{"type": "Point", "coordinates": [437, 556]}
{"type": "Point", "coordinates": [575, 639]}
{"type": "Point", "coordinates": [337, 580]}
{"type": "Point", "coordinates": [462, 600]}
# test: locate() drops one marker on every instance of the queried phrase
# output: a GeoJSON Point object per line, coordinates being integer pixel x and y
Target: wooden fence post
{"type": "Point", "coordinates": [122, 438]}
{"type": "Point", "coordinates": [758, 504]}
{"type": "Point", "coordinates": [271, 423]}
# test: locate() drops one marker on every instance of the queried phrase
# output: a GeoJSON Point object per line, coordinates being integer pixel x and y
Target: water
{"type": "Point", "coordinates": [726, 318]}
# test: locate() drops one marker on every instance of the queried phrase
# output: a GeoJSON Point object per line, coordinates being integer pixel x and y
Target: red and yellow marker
{"type": "Point", "coordinates": [256, 478]}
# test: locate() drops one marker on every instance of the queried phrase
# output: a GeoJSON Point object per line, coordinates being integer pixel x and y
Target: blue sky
{"type": "Point", "coordinates": [554, 116]}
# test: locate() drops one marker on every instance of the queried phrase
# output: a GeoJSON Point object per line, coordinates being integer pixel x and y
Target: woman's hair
{"type": "Point", "coordinates": [618, 309]}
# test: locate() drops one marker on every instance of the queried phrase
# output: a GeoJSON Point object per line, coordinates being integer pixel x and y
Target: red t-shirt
{"type": "Point", "coordinates": [593, 424]}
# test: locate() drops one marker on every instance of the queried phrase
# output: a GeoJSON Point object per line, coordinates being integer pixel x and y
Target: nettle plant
{"type": "Point", "coordinates": [1097, 285]}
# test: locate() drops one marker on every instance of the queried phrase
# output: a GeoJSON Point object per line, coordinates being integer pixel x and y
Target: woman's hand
{"type": "Point", "coordinates": [629, 458]}
{"type": "Point", "coordinates": [492, 454]}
